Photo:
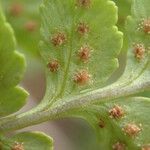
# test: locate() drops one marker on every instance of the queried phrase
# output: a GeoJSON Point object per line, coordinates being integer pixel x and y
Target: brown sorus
{"type": "Point", "coordinates": [82, 77]}
{"type": "Point", "coordinates": [16, 9]}
{"type": "Point", "coordinates": [17, 146]}
{"type": "Point", "coordinates": [82, 28]}
{"type": "Point", "coordinates": [101, 123]}
{"type": "Point", "coordinates": [53, 65]}
{"type": "Point", "coordinates": [116, 112]}
{"type": "Point", "coordinates": [58, 39]}
{"type": "Point", "coordinates": [145, 26]}
{"type": "Point", "coordinates": [146, 147]}
{"type": "Point", "coordinates": [139, 51]}
{"type": "Point", "coordinates": [31, 26]}
{"type": "Point", "coordinates": [84, 53]}
{"type": "Point", "coordinates": [131, 129]}
{"type": "Point", "coordinates": [118, 146]}
{"type": "Point", "coordinates": [84, 3]}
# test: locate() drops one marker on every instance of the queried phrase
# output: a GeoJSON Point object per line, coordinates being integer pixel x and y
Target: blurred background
{"type": "Point", "coordinates": [68, 134]}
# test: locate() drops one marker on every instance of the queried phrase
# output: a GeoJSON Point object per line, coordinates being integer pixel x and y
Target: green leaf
{"type": "Point", "coordinates": [124, 9]}
{"type": "Point", "coordinates": [109, 130]}
{"type": "Point", "coordinates": [28, 141]}
{"type": "Point", "coordinates": [91, 26]}
{"type": "Point", "coordinates": [61, 41]}
{"type": "Point", "coordinates": [12, 98]}
{"type": "Point", "coordinates": [138, 60]}
{"type": "Point", "coordinates": [24, 17]}
{"type": "Point", "coordinates": [10, 103]}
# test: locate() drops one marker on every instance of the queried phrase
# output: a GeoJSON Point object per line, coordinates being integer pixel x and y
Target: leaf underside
{"type": "Point", "coordinates": [105, 40]}
{"type": "Point", "coordinates": [68, 27]}
{"type": "Point", "coordinates": [109, 130]}
{"type": "Point", "coordinates": [65, 17]}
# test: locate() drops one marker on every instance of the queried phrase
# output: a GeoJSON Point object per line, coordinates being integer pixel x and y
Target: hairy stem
{"type": "Point", "coordinates": [59, 108]}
